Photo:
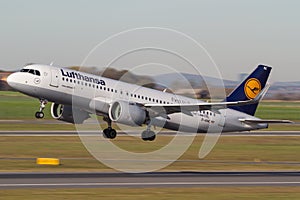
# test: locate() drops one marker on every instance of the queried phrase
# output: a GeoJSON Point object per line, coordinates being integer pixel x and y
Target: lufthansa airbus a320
{"type": "Point", "coordinates": [74, 91]}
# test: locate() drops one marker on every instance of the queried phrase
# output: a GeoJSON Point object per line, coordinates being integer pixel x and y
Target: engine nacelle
{"type": "Point", "coordinates": [127, 113]}
{"type": "Point", "coordinates": [65, 113]}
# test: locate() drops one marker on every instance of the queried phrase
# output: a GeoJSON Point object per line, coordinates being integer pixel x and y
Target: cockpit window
{"type": "Point", "coordinates": [37, 72]}
{"type": "Point", "coordinates": [31, 71]}
{"type": "Point", "coordinates": [24, 70]}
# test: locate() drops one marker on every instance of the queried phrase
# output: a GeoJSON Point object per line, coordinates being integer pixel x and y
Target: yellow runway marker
{"type": "Point", "coordinates": [47, 161]}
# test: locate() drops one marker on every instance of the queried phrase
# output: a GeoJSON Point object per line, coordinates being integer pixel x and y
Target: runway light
{"type": "Point", "coordinates": [47, 161]}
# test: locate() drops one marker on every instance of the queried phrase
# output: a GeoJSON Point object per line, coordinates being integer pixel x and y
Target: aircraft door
{"type": "Point", "coordinates": [123, 95]}
{"type": "Point", "coordinates": [54, 78]}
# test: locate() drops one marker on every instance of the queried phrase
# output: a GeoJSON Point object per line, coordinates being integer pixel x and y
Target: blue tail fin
{"type": "Point", "coordinates": [249, 88]}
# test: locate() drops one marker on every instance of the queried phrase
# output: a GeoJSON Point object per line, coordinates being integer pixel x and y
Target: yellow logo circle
{"type": "Point", "coordinates": [252, 88]}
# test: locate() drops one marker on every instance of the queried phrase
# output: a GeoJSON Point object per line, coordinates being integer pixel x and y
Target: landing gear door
{"type": "Point", "coordinates": [221, 120]}
{"type": "Point", "coordinates": [54, 78]}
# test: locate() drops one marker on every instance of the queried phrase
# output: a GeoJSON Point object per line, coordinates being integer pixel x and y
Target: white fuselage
{"type": "Point", "coordinates": [69, 87]}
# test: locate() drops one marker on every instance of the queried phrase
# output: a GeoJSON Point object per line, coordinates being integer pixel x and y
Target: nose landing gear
{"type": "Point", "coordinates": [40, 114]}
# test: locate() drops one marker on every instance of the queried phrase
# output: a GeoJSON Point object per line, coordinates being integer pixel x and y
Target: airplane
{"type": "Point", "coordinates": [134, 105]}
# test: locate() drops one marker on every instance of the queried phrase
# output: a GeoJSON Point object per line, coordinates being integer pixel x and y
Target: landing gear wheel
{"type": "Point", "coordinates": [39, 115]}
{"type": "Point", "coordinates": [148, 135]}
{"type": "Point", "coordinates": [109, 133]}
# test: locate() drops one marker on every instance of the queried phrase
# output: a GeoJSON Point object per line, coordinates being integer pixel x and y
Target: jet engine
{"type": "Point", "coordinates": [65, 113]}
{"type": "Point", "coordinates": [127, 113]}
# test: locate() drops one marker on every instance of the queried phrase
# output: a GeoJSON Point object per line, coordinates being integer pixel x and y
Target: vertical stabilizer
{"type": "Point", "coordinates": [249, 89]}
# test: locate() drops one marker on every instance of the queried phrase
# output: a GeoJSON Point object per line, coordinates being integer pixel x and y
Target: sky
{"type": "Point", "coordinates": [236, 34]}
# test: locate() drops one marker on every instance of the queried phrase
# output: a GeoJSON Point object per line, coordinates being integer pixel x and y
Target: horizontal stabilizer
{"type": "Point", "coordinates": [260, 121]}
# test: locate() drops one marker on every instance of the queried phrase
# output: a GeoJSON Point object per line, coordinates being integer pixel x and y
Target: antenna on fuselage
{"type": "Point", "coordinates": [29, 64]}
{"type": "Point", "coordinates": [51, 64]}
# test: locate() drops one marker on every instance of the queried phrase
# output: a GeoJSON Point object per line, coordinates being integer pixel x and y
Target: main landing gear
{"type": "Point", "coordinates": [148, 135]}
{"type": "Point", "coordinates": [40, 114]}
{"type": "Point", "coordinates": [109, 132]}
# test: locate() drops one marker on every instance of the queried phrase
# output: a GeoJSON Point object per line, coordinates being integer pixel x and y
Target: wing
{"type": "Point", "coordinates": [187, 108]}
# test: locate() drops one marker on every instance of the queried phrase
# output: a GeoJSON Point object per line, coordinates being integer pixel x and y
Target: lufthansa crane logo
{"type": "Point", "coordinates": [252, 88]}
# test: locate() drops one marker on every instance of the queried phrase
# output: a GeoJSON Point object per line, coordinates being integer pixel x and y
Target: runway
{"type": "Point", "coordinates": [135, 133]}
{"type": "Point", "coordinates": [157, 179]}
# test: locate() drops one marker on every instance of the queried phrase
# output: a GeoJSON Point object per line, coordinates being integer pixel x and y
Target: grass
{"type": "Point", "coordinates": [16, 106]}
{"type": "Point", "coordinates": [211, 193]}
{"type": "Point", "coordinates": [279, 110]}
{"type": "Point", "coordinates": [230, 153]}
